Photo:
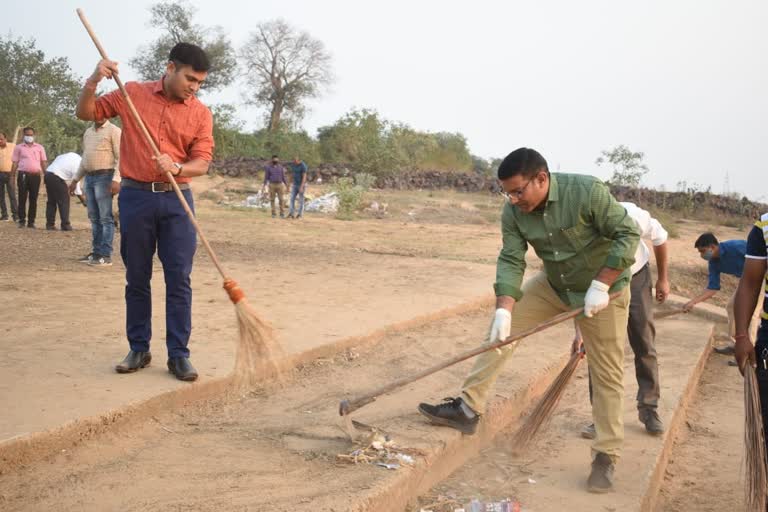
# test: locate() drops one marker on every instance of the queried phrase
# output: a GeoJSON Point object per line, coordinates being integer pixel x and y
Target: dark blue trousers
{"type": "Point", "coordinates": [156, 221]}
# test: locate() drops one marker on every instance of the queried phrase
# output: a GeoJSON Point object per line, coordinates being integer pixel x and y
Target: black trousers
{"type": "Point", "coordinates": [641, 332]}
{"type": "Point", "coordinates": [58, 198]}
{"type": "Point", "coordinates": [5, 184]}
{"type": "Point", "coordinates": [28, 186]}
{"type": "Point", "coordinates": [761, 356]}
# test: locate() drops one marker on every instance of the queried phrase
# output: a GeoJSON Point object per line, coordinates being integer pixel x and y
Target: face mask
{"type": "Point", "coordinates": [29, 139]}
{"type": "Point", "coordinates": [274, 162]}
{"type": "Point", "coordinates": [707, 255]}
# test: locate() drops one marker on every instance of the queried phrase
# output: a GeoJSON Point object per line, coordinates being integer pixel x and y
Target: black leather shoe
{"type": "Point", "coordinates": [451, 414]}
{"type": "Point", "coordinates": [601, 478]}
{"type": "Point", "coordinates": [134, 361]}
{"type": "Point", "coordinates": [182, 369]}
{"type": "Point", "coordinates": [650, 418]}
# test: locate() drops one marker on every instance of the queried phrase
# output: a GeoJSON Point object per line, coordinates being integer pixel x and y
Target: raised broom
{"type": "Point", "coordinates": [257, 351]}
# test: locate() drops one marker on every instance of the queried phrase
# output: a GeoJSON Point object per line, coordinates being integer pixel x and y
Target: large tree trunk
{"type": "Point", "coordinates": [274, 116]}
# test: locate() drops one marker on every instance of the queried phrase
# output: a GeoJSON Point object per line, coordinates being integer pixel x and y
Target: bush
{"type": "Point", "coordinates": [365, 180]}
{"type": "Point", "coordinates": [350, 197]}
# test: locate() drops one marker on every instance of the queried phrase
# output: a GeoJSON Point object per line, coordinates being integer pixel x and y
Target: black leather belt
{"type": "Point", "coordinates": [99, 172]}
{"type": "Point", "coordinates": [154, 186]}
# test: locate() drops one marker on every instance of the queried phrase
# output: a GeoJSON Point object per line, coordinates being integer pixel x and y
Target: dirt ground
{"type": "Point", "coordinates": [705, 471]}
{"type": "Point", "coordinates": [317, 280]}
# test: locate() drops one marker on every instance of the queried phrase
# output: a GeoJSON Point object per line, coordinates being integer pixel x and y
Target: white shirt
{"type": "Point", "coordinates": [650, 229]}
{"type": "Point", "coordinates": [65, 166]}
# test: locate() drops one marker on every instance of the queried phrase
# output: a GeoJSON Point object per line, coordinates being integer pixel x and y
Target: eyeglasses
{"type": "Point", "coordinates": [517, 194]}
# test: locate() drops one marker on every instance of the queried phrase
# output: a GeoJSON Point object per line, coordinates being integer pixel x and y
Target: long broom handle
{"type": "Point", "coordinates": [348, 406]}
{"type": "Point", "coordinates": [155, 150]}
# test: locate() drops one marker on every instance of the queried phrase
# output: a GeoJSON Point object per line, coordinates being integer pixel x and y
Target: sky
{"type": "Point", "coordinates": [684, 81]}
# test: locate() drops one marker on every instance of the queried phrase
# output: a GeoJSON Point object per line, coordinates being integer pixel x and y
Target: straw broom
{"type": "Point", "coordinates": [755, 471]}
{"type": "Point", "coordinates": [257, 350]}
{"type": "Point", "coordinates": [542, 413]}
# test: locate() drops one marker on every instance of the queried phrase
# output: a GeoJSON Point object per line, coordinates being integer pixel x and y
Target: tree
{"type": "Point", "coordinates": [628, 166]}
{"type": "Point", "coordinates": [174, 18]}
{"type": "Point", "coordinates": [40, 92]}
{"type": "Point", "coordinates": [285, 69]}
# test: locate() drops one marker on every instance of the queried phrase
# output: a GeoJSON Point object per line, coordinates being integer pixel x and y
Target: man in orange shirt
{"type": "Point", "coordinates": [151, 216]}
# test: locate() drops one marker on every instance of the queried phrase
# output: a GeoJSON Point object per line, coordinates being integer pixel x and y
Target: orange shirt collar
{"type": "Point", "coordinates": [157, 88]}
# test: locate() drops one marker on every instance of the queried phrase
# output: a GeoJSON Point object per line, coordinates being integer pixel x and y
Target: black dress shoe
{"type": "Point", "coordinates": [453, 413]}
{"type": "Point", "coordinates": [650, 418]}
{"type": "Point", "coordinates": [182, 369]}
{"type": "Point", "coordinates": [134, 361]}
{"type": "Point", "coordinates": [601, 478]}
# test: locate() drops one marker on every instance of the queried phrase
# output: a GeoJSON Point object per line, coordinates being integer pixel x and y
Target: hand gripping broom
{"type": "Point", "coordinates": [257, 351]}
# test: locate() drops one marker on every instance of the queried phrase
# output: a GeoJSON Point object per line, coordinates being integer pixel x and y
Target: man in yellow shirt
{"type": "Point", "coordinates": [6, 179]}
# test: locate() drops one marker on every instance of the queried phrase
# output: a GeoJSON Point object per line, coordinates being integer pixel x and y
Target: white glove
{"type": "Point", "coordinates": [501, 327]}
{"type": "Point", "coordinates": [597, 298]}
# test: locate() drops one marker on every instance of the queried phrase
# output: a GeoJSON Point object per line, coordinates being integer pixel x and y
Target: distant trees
{"type": "Point", "coordinates": [41, 92]}
{"type": "Point", "coordinates": [628, 166]}
{"type": "Point", "coordinates": [174, 18]}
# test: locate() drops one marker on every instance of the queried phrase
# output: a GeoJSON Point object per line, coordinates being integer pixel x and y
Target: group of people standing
{"type": "Point", "coordinates": [275, 182]}
{"type": "Point", "coordinates": [94, 178]}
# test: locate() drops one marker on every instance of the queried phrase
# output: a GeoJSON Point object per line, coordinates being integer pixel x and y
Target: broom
{"type": "Point", "coordinates": [542, 413]}
{"type": "Point", "coordinates": [257, 350]}
{"type": "Point", "coordinates": [755, 471]}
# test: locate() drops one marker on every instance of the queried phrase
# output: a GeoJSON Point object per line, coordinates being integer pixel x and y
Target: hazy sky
{"type": "Point", "coordinates": [685, 81]}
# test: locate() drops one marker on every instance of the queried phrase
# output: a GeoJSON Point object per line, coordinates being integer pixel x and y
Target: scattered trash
{"type": "Point", "coordinates": [328, 203]}
{"type": "Point", "coordinates": [379, 449]}
{"type": "Point", "coordinates": [531, 481]}
{"type": "Point", "coordinates": [506, 505]}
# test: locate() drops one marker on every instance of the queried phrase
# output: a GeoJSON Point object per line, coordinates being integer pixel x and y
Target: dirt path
{"type": "Point", "coordinates": [705, 469]}
{"type": "Point", "coordinates": [552, 474]}
{"type": "Point", "coordinates": [274, 450]}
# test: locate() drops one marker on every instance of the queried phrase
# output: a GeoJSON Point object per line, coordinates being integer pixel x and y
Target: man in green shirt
{"type": "Point", "coordinates": [587, 243]}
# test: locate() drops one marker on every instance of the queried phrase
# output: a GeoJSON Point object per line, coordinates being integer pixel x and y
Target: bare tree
{"type": "Point", "coordinates": [285, 68]}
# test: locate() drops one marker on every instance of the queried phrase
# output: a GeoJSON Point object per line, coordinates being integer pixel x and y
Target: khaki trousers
{"type": "Point", "coordinates": [604, 336]}
{"type": "Point", "coordinates": [754, 324]}
{"type": "Point", "coordinates": [277, 189]}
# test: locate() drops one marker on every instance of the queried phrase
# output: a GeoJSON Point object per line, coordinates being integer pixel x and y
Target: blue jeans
{"type": "Point", "coordinates": [156, 221]}
{"type": "Point", "coordinates": [98, 195]}
{"type": "Point", "coordinates": [294, 193]}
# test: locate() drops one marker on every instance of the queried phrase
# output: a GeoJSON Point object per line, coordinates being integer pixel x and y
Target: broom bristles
{"type": "Point", "coordinates": [755, 471]}
{"type": "Point", "coordinates": [258, 353]}
{"type": "Point", "coordinates": [542, 413]}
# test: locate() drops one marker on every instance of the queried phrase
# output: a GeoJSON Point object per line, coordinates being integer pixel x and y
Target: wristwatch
{"type": "Point", "coordinates": [179, 167]}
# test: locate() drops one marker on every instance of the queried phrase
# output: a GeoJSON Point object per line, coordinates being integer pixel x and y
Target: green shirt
{"type": "Point", "coordinates": [580, 230]}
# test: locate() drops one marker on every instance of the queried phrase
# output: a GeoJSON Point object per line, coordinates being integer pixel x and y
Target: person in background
{"type": "Point", "coordinates": [724, 258]}
{"type": "Point", "coordinates": [6, 179]}
{"type": "Point", "coordinates": [101, 155]}
{"type": "Point", "coordinates": [58, 175]}
{"type": "Point", "coordinates": [29, 161]}
{"type": "Point", "coordinates": [298, 186]}
{"type": "Point", "coordinates": [641, 330]}
{"type": "Point", "coordinates": [274, 177]}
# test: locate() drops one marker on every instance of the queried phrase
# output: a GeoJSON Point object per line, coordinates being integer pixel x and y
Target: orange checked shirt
{"type": "Point", "coordinates": [183, 130]}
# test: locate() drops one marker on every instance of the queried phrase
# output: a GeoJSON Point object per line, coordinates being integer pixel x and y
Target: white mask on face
{"type": "Point", "coordinates": [29, 139]}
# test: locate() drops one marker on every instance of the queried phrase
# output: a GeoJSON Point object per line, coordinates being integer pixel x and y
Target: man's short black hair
{"type": "Point", "coordinates": [524, 161]}
{"type": "Point", "coordinates": [274, 156]}
{"type": "Point", "coordinates": [705, 240]}
{"type": "Point", "coordinates": [3, 135]}
{"type": "Point", "coordinates": [27, 128]}
{"type": "Point", "coordinates": [188, 54]}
